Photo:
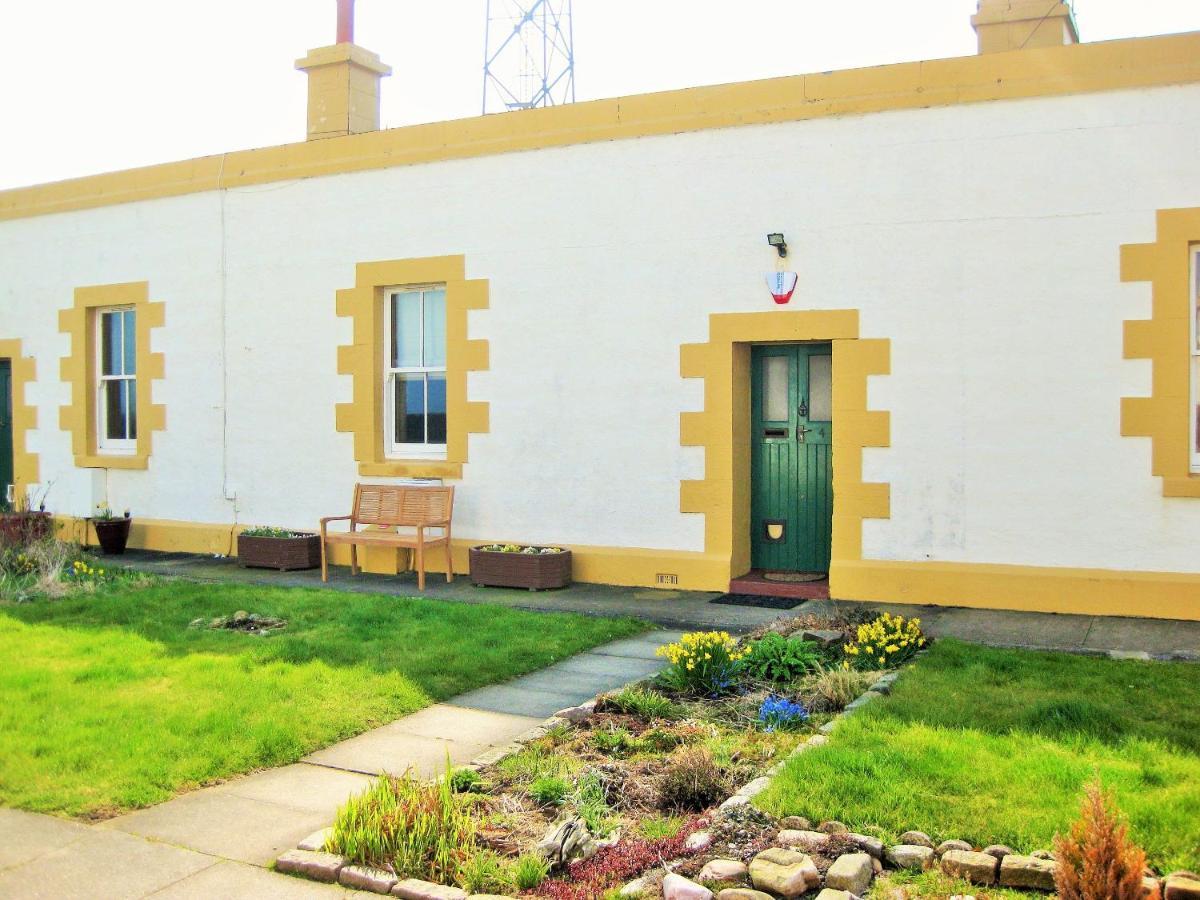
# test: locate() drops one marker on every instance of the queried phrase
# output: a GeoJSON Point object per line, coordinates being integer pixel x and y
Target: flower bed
{"type": "Point", "coordinates": [277, 548]}
{"type": "Point", "coordinates": [520, 566]}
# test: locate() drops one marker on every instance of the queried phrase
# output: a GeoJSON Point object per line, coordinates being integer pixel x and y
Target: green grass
{"type": "Point", "coordinates": [110, 701]}
{"type": "Point", "coordinates": [994, 746]}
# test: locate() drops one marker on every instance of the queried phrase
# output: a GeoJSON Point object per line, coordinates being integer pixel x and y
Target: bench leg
{"type": "Point", "coordinates": [449, 562]}
{"type": "Point", "coordinates": [353, 559]}
{"type": "Point", "coordinates": [420, 566]}
{"type": "Point", "coordinates": [324, 563]}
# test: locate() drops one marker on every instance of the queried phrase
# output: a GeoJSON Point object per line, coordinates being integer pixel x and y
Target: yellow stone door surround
{"type": "Point", "coordinates": [722, 428]}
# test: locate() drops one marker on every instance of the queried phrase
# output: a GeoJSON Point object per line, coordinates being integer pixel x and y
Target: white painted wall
{"type": "Point", "coordinates": [983, 240]}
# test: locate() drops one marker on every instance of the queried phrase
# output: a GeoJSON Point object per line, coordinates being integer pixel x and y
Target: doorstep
{"type": "Point", "coordinates": [756, 584]}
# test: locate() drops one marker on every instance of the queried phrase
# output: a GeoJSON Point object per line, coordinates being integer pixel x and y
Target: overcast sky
{"type": "Point", "coordinates": [97, 85]}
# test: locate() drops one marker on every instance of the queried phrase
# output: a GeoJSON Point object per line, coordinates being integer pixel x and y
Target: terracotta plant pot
{"type": "Point", "coordinates": [533, 571]}
{"type": "Point", "coordinates": [303, 551]}
{"type": "Point", "coordinates": [20, 529]}
{"type": "Point", "coordinates": [112, 535]}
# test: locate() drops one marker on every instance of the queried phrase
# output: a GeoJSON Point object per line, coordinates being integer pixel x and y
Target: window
{"type": "Point", "coordinates": [1194, 298]}
{"type": "Point", "coordinates": [116, 381]}
{"type": "Point", "coordinates": [415, 372]}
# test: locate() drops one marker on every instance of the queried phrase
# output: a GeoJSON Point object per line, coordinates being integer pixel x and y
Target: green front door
{"type": "Point", "coordinates": [6, 428]}
{"type": "Point", "coordinates": [791, 506]}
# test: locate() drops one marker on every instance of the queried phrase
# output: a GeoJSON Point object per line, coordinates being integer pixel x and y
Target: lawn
{"type": "Point", "coordinates": [109, 701]}
{"type": "Point", "coordinates": [994, 746]}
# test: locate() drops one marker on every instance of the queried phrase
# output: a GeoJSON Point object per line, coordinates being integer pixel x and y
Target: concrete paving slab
{"type": "Point", "coordinates": [523, 701]}
{"type": "Point", "coordinates": [640, 647]}
{"type": "Point", "coordinates": [1011, 629]}
{"type": "Point", "coordinates": [456, 723]}
{"type": "Point", "coordinates": [394, 751]}
{"type": "Point", "coordinates": [630, 668]}
{"type": "Point", "coordinates": [25, 836]}
{"type": "Point", "coordinates": [300, 786]}
{"type": "Point", "coordinates": [1158, 637]}
{"type": "Point", "coordinates": [103, 864]}
{"type": "Point", "coordinates": [225, 825]}
{"type": "Point", "coordinates": [562, 681]}
{"type": "Point", "coordinates": [233, 879]}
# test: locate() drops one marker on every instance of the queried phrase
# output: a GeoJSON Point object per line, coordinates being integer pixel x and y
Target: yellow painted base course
{"type": "Point", "coordinates": [1157, 595]}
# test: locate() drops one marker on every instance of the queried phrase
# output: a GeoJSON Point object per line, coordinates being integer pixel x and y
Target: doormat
{"type": "Point", "coordinates": [755, 600]}
{"type": "Point", "coordinates": [795, 577]}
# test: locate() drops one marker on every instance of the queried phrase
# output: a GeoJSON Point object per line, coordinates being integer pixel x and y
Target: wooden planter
{"type": "Point", "coordinates": [19, 529]}
{"type": "Point", "coordinates": [112, 535]}
{"type": "Point", "coordinates": [282, 553]}
{"type": "Point", "coordinates": [534, 571]}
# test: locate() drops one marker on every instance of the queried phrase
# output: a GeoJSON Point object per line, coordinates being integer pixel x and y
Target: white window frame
{"type": "Point", "coordinates": [392, 448]}
{"type": "Point", "coordinates": [104, 443]}
{"type": "Point", "coordinates": [1193, 428]}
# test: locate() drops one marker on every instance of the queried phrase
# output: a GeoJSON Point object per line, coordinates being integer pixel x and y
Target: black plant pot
{"type": "Point", "coordinates": [112, 534]}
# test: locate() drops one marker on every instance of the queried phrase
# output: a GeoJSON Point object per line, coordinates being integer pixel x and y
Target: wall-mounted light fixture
{"type": "Point", "coordinates": [776, 240]}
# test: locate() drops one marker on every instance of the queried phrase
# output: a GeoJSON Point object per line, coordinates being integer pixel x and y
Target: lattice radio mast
{"type": "Point", "coordinates": [528, 55]}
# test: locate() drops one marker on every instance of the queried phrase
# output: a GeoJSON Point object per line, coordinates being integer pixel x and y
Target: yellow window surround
{"type": "Point", "coordinates": [723, 427]}
{"type": "Point", "coordinates": [24, 416]}
{"type": "Point", "coordinates": [1164, 339]}
{"type": "Point", "coordinates": [363, 361]}
{"type": "Point", "coordinates": [78, 369]}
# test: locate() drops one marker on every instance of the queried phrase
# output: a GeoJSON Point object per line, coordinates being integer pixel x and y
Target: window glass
{"type": "Point", "coordinates": [406, 330]}
{"type": "Point", "coordinates": [437, 408]}
{"type": "Point", "coordinates": [410, 408]}
{"type": "Point", "coordinates": [435, 328]}
{"type": "Point", "coordinates": [129, 341]}
{"type": "Point", "coordinates": [820, 388]}
{"type": "Point", "coordinates": [110, 344]}
{"type": "Point", "coordinates": [775, 388]}
{"type": "Point", "coordinates": [131, 407]}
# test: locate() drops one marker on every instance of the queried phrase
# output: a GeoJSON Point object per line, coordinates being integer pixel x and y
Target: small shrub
{"type": "Point", "coordinates": [660, 740]}
{"type": "Point", "coordinates": [692, 781]}
{"type": "Point", "coordinates": [613, 740]}
{"type": "Point", "coordinates": [485, 872]}
{"type": "Point", "coordinates": [704, 663]}
{"type": "Point", "coordinates": [886, 641]}
{"type": "Point", "coordinates": [832, 690]}
{"type": "Point", "coordinates": [529, 871]}
{"type": "Point", "coordinates": [466, 781]}
{"type": "Point", "coordinates": [656, 828]}
{"type": "Point", "coordinates": [533, 762]}
{"type": "Point", "coordinates": [1097, 861]}
{"type": "Point", "coordinates": [591, 804]}
{"type": "Point", "coordinates": [418, 830]}
{"type": "Point", "coordinates": [549, 789]}
{"type": "Point", "coordinates": [780, 660]}
{"type": "Point", "coordinates": [644, 703]}
{"type": "Point", "coordinates": [781, 714]}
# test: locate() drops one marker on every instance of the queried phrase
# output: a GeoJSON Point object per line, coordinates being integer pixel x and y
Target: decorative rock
{"type": "Point", "coordinates": [735, 801]}
{"type": "Point", "coordinates": [697, 841]}
{"type": "Point", "coordinates": [997, 850]}
{"type": "Point", "coordinates": [823, 636]}
{"type": "Point", "coordinates": [1027, 872]}
{"type": "Point", "coordinates": [833, 826]}
{"type": "Point", "coordinates": [851, 872]}
{"type": "Point", "coordinates": [795, 823]}
{"type": "Point", "coordinates": [917, 838]}
{"type": "Point", "coordinates": [812, 841]}
{"type": "Point", "coordinates": [723, 870]}
{"type": "Point", "coordinates": [1151, 888]}
{"type": "Point", "coordinates": [787, 873]}
{"type": "Point", "coordinates": [413, 889]}
{"type": "Point", "coordinates": [835, 894]}
{"type": "Point", "coordinates": [1181, 886]}
{"type": "Point", "coordinates": [755, 787]}
{"type": "Point", "coordinates": [979, 868]}
{"type": "Point", "coordinates": [953, 845]}
{"type": "Point", "coordinates": [316, 840]}
{"type": "Point", "coordinates": [377, 881]}
{"type": "Point", "coordinates": [635, 887]}
{"type": "Point", "coordinates": [676, 887]}
{"type": "Point", "coordinates": [743, 894]}
{"type": "Point", "coordinates": [490, 897]}
{"type": "Point", "coordinates": [910, 856]}
{"type": "Point", "coordinates": [311, 864]}
{"type": "Point", "coordinates": [876, 866]}
{"type": "Point", "coordinates": [1042, 854]}
{"type": "Point", "coordinates": [867, 844]}
{"type": "Point", "coordinates": [577, 714]}
{"type": "Point", "coordinates": [567, 840]}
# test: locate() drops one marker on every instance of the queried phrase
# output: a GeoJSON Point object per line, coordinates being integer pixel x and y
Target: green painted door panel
{"type": "Point", "coordinates": [791, 507]}
{"type": "Point", "coordinates": [6, 428]}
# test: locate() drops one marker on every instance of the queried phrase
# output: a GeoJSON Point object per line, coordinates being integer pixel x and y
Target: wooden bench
{"type": "Point", "coordinates": [386, 507]}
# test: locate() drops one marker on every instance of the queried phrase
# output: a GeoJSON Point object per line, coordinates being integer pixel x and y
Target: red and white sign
{"type": "Point", "coordinates": [782, 285]}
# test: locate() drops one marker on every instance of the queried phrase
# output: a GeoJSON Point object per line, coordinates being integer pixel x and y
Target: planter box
{"type": "Point", "coordinates": [112, 535]}
{"type": "Point", "coordinates": [534, 571]}
{"type": "Point", "coordinates": [19, 529]}
{"type": "Point", "coordinates": [284, 554]}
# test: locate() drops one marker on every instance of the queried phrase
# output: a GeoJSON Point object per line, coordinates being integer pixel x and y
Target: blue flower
{"type": "Point", "coordinates": [780, 714]}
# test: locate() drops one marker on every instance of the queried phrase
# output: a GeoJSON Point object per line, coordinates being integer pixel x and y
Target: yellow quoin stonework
{"type": "Point", "coordinates": [1163, 339]}
{"type": "Point", "coordinates": [79, 371]}
{"type": "Point", "coordinates": [363, 360]}
{"type": "Point", "coordinates": [723, 428]}
{"type": "Point", "coordinates": [24, 416]}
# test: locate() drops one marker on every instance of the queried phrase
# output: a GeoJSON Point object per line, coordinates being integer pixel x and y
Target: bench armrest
{"type": "Point", "coordinates": [335, 519]}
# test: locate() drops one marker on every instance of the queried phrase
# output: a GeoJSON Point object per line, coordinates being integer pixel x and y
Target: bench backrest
{"type": "Point", "coordinates": [402, 504]}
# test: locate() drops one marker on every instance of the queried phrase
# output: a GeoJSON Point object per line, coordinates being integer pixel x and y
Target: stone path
{"type": "Point", "coordinates": [218, 841]}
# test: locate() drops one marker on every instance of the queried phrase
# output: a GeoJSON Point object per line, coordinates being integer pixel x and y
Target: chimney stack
{"type": "Point", "coordinates": [343, 83]}
{"type": "Point", "coordinates": [1021, 24]}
